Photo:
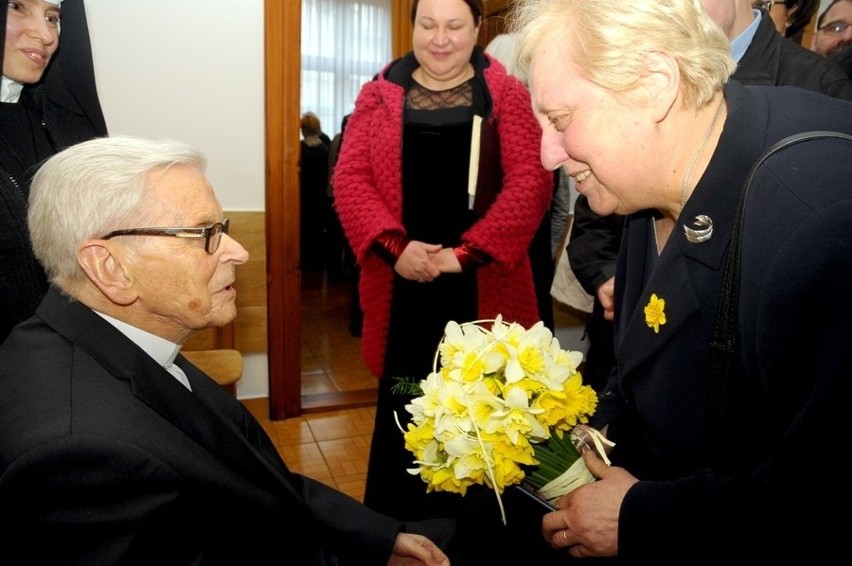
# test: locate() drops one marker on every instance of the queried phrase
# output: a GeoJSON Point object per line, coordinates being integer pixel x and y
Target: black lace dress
{"type": "Point", "coordinates": [436, 159]}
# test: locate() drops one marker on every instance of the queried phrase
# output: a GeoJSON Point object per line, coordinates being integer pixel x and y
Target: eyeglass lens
{"type": "Point", "coordinates": [836, 28]}
{"type": "Point", "coordinates": [214, 236]}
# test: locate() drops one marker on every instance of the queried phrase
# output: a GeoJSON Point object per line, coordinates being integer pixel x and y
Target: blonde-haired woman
{"type": "Point", "coordinates": [636, 104]}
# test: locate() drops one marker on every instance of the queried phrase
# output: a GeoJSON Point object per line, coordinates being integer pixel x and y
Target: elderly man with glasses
{"type": "Point", "coordinates": [114, 449]}
{"type": "Point", "coordinates": [834, 28]}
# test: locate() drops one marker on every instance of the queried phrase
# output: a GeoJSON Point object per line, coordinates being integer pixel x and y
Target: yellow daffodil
{"type": "Point", "coordinates": [552, 405]}
{"type": "Point", "coordinates": [655, 315]}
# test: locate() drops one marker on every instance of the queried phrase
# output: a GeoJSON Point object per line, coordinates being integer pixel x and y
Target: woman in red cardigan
{"type": "Point", "coordinates": [429, 252]}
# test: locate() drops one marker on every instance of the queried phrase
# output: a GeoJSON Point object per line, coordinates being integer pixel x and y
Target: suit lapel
{"type": "Point", "coordinates": [208, 415]}
{"type": "Point", "coordinates": [236, 418]}
{"type": "Point", "coordinates": [213, 421]}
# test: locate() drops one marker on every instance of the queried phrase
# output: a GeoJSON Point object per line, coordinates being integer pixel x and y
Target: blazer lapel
{"type": "Point", "coordinates": [683, 269]}
{"type": "Point", "coordinates": [204, 416]}
{"type": "Point", "coordinates": [236, 418]}
{"type": "Point", "coordinates": [208, 414]}
{"type": "Point", "coordinates": [669, 281]}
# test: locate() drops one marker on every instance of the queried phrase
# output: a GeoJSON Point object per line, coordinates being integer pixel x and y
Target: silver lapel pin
{"type": "Point", "coordinates": [702, 229]}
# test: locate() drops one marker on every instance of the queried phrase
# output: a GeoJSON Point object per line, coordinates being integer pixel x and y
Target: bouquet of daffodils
{"type": "Point", "coordinates": [503, 402]}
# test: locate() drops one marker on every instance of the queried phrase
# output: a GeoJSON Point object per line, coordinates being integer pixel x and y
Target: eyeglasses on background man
{"type": "Point", "coordinates": [833, 29]}
{"type": "Point", "coordinates": [766, 6]}
{"type": "Point", "coordinates": [837, 27]}
{"type": "Point", "coordinates": [789, 16]}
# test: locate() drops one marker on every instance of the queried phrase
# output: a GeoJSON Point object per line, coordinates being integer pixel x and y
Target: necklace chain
{"type": "Point", "coordinates": [688, 175]}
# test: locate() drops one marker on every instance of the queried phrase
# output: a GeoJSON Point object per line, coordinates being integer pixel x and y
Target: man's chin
{"type": "Point", "coordinates": [224, 315]}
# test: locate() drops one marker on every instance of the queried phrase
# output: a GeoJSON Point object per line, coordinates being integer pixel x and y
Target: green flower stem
{"type": "Point", "coordinates": [538, 480]}
{"type": "Point", "coordinates": [551, 460]}
{"type": "Point", "coordinates": [551, 471]}
{"type": "Point", "coordinates": [555, 456]}
{"type": "Point", "coordinates": [566, 447]}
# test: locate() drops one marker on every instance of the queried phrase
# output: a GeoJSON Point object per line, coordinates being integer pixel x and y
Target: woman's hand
{"type": "Point", "coordinates": [416, 549]}
{"type": "Point", "coordinates": [415, 262]}
{"type": "Point", "coordinates": [586, 520]}
{"type": "Point", "coordinates": [447, 261]}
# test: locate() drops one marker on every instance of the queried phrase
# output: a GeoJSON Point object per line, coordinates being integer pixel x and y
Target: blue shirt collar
{"type": "Point", "coordinates": [740, 43]}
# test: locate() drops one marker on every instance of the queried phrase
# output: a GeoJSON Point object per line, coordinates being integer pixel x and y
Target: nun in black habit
{"type": "Point", "coordinates": [48, 101]}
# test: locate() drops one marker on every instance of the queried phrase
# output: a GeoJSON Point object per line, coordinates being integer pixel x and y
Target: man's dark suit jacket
{"type": "Point", "coordinates": [105, 458]}
{"type": "Point", "coordinates": [773, 60]}
{"type": "Point", "coordinates": [789, 390]}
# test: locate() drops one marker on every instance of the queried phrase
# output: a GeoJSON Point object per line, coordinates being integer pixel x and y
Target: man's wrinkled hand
{"type": "Point", "coordinates": [411, 549]}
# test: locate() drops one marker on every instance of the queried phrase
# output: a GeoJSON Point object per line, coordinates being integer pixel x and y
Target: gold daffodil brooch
{"type": "Point", "coordinates": [655, 315]}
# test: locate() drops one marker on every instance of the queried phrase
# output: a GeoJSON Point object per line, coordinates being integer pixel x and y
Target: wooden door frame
{"type": "Point", "coordinates": [282, 30]}
{"type": "Point", "coordinates": [282, 49]}
{"type": "Point", "coordinates": [282, 46]}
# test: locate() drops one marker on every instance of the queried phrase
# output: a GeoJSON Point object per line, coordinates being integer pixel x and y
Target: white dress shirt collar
{"type": "Point", "coordinates": [163, 351]}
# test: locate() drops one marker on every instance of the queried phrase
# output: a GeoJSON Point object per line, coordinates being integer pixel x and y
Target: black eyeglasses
{"type": "Point", "coordinates": [212, 234]}
{"type": "Point", "coordinates": [835, 28]}
{"type": "Point", "coordinates": [765, 6]}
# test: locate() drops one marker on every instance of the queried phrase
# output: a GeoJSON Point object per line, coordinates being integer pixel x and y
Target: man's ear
{"type": "Point", "coordinates": [660, 83]}
{"type": "Point", "coordinates": [106, 269]}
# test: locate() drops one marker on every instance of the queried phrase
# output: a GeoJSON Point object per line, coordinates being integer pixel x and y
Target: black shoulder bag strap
{"type": "Point", "coordinates": [724, 347]}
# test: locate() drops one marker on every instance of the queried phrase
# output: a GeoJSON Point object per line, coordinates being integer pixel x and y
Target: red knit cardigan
{"type": "Point", "coordinates": [368, 198]}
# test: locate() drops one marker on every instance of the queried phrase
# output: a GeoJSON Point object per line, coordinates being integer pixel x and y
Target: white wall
{"type": "Point", "coordinates": [823, 4]}
{"type": "Point", "coordinates": [190, 70]}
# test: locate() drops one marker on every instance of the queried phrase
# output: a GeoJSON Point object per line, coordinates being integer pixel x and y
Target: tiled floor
{"type": "Point", "coordinates": [334, 446]}
{"type": "Point", "coordinates": [331, 355]}
{"type": "Point", "coordinates": [331, 447]}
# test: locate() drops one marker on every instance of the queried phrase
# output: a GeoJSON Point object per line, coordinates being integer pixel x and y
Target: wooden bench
{"type": "Point", "coordinates": [225, 366]}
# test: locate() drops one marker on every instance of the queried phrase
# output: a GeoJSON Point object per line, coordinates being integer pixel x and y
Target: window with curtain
{"type": "Point", "coordinates": [344, 44]}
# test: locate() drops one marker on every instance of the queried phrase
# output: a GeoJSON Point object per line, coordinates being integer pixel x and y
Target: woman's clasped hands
{"type": "Point", "coordinates": [424, 262]}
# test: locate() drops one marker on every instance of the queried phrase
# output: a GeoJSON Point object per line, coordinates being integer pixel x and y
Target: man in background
{"type": "Point", "coordinates": [834, 28]}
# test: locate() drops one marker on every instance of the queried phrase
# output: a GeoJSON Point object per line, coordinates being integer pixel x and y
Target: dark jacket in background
{"type": "Point", "coordinates": [775, 61]}
{"type": "Point", "coordinates": [592, 249]}
{"type": "Point", "coordinates": [844, 59]}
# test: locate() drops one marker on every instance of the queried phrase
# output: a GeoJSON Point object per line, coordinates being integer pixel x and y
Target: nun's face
{"type": "Point", "coordinates": [32, 37]}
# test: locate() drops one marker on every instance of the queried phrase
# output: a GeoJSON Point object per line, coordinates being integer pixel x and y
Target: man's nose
{"type": "Point", "coordinates": [232, 250]}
